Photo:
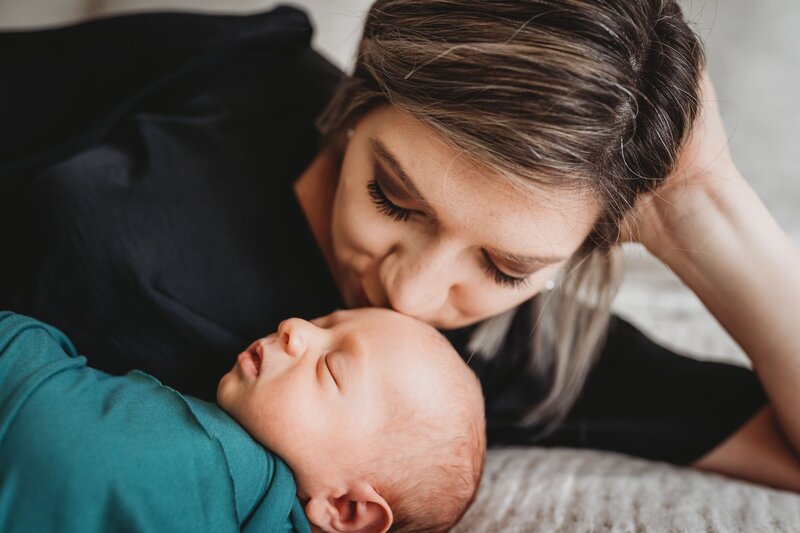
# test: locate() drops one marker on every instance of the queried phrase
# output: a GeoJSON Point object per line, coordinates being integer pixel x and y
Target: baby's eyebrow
{"type": "Point", "coordinates": [354, 345]}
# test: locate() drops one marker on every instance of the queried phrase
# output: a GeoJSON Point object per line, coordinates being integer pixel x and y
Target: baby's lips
{"type": "Point", "coordinates": [247, 362]}
{"type": "Point", "coordinates": [260, 351]}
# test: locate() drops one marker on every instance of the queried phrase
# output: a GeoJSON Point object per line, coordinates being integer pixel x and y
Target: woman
{"type": "Point", "coordinates": [475, 172]}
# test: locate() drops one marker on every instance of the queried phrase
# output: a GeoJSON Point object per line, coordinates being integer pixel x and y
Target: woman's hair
{"type": "Point", "coordinates": [575, 95]}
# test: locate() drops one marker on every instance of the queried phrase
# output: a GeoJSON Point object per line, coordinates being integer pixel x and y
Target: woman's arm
{"type": "Point", "coordinates": [709, 226]}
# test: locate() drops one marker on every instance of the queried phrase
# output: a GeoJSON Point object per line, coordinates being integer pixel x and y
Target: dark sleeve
{"type": "Point", "coordinates": [151, 244]}
{"type": "Point", "coordinates": [640, 399]}
{"type": "Point", "coordinates": [64, 88]}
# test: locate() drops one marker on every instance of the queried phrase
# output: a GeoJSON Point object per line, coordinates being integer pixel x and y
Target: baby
{"type": "Point", "coordinates": [374, 413]}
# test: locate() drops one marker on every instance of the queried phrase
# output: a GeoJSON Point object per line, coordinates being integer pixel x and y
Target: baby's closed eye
{"type": "Point", "coordinates": [329, 364]}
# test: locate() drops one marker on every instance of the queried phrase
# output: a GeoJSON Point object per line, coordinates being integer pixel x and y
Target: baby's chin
{"type": "Point", "coordinates": [224, 391]}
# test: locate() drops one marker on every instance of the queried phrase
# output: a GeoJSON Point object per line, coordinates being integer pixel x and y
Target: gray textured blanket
{"type": "Point", "coordinates": [562, 490]}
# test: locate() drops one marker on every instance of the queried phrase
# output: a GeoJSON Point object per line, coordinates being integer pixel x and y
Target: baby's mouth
{"type": "Point", "coordinates": [257, 356]}
{"type": "Point", "coordinates": [250, 360]}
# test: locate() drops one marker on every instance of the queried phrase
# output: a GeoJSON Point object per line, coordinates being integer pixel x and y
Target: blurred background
{"type": "Point", "coordinates": [753, 51]}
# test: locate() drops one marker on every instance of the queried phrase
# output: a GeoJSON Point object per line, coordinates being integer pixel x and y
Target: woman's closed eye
{"type": "Point", "coordinates": [385, 205]}
{"type": "Point", "coordinates": [500, 277]}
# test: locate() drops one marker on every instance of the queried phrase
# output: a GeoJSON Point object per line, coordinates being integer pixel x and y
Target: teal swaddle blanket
{"type": "Point", "coordinates": [84, 451]}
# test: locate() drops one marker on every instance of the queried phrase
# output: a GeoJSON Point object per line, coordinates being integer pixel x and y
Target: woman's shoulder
{"type": "Point", "coordinates": [78, 71]}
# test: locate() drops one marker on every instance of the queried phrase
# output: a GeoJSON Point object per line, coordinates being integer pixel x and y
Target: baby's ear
{"type": "Point", "coordinates": [361, 509]}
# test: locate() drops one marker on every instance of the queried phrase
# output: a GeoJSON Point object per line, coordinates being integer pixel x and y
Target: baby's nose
{"type": "Point", "coordinates": [295, 335]}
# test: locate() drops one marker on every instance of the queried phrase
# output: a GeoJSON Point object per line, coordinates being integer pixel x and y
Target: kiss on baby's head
{"type": "Point", "coordinates": [378, 417]}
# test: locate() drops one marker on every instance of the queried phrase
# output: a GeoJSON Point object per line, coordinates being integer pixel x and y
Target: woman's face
{"type": "Point", "coordinates": [418, 227]}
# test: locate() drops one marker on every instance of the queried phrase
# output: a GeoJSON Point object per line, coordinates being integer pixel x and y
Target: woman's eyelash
{"type": "Point", "coordinates": [386, 206]}
{"type": "Point", "coordinates": [500, 277]}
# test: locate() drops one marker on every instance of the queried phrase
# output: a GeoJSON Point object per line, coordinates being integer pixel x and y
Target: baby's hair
{"type": "Point", "coordinates": [441, 457]}
{"type": "Point", "coordinates": [439, 488]}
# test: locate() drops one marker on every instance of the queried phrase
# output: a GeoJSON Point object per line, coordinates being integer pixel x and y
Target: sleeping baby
{"type": "Point", "coordinates": [362, 420]}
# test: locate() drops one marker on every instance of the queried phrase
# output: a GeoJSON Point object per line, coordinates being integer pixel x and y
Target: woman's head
{"type": "Point", "coordinates": [530, 126]}
{"type": "Point", "coordinates": [419, 227]}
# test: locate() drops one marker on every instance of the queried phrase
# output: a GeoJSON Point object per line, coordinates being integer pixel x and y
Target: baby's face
{"type": "Point", "coordinates": [318, 393]}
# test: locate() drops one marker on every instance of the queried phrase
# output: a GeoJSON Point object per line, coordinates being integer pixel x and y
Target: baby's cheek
{"type": "Point", "coordinates": [246, 406]}
{"type": "Point", "coordinates": [231, 396]}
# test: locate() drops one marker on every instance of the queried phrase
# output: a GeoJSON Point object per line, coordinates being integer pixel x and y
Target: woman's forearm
{"type": "Point", "coordinates": [731, 252]}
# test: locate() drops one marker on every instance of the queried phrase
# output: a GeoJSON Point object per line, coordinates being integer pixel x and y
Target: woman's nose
{"type": "Point", "coordinates": [418, 282]}
{"type": "Point", "coordinates": [297, 335]}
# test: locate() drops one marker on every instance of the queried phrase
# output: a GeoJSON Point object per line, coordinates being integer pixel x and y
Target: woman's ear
{"type": "Point", "coordinates": [361, 509]}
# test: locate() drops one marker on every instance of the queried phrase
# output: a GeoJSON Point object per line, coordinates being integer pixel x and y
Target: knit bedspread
{"type": "Point", "coordinates": [563, 490]}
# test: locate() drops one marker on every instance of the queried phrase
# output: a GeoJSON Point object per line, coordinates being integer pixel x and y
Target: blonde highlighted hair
{"type": "Point", "coordinates": [589, 95]}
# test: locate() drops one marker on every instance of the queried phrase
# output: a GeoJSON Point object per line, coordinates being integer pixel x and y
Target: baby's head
{"type": "Point", "coordinates": [378, 417]}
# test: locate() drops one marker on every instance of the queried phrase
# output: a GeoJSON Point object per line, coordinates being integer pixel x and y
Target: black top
{"type": "Point", "coordinates": [146, 165]}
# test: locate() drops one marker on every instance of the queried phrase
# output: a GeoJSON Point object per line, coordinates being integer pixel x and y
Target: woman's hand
{"type": "Point", "coordinates": [708, 226]}
{"type": "Point", "coordinates": [665, 219]}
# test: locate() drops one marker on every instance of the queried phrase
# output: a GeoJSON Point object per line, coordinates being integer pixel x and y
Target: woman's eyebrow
{"type": "Point", "coordinates": [525, 259]}
{"type": "Point", "coordinates": [381, 151]}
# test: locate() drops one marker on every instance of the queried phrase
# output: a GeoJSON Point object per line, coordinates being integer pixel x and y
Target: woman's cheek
{"type": "Point", "coordinates": [359, 227]}
{"type": "Point", "coordinates": [483, 298]}
{"type": "Point", "coordinates": [344, 222]}
{"type": "Point", "coordinates": [484, 304]}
